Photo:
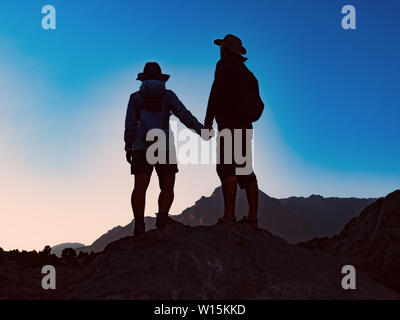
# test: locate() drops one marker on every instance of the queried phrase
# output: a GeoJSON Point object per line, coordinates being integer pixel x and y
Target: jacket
{"type": "Point", "coordinates": [139, 120]}
{"type": "Point", "coordinates": [225, 96]}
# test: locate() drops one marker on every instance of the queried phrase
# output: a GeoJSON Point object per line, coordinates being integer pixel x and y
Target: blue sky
{"type": "Point", "coordinates": [332, 95]}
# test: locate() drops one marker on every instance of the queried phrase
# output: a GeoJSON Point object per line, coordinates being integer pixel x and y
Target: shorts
{"type": "Point", "coordinates": [227, 168]}
{"type": "Point", "coordinates": [140, 165]}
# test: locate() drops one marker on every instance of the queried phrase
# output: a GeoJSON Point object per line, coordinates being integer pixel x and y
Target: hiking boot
{"type": "Point", "coordinates": [163, 219]}
{"type": "Point", "coordinates": [225, 219]}
{"type": "Point", "coordinates": [139, 229]}
{"type": "Point", "coordinates": [251, 222]}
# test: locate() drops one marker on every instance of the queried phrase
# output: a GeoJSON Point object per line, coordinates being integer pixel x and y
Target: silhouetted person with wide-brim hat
{"type": "Point", "coordinates": [227, 104]}
{"type": "Point", "coordinates": [151, 108]}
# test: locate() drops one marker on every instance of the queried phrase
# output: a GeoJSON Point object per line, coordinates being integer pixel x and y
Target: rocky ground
{"type": "Point", "coordinates": [371, 242]}
{"type": "Point", "coordinates": [224, 261]}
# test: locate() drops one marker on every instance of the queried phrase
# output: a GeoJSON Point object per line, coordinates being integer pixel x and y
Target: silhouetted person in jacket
{"type": "Point", "coordinates": [150, 108]}
{"type": "Point", "coordinates": [223, 105]}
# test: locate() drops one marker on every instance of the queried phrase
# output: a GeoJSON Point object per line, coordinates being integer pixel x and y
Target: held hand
{"type": "Point", "coordinates": [212, 132]}
{"type": "Point", "coordinates": [207, 133]}
{"type": "Point", "coordinates": [129, 156]}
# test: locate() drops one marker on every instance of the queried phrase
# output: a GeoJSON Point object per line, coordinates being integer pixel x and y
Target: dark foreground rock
{"type": "Point", "coordinates": [228, 261]}
{"type": "Point", "coordinates": [371, 242]}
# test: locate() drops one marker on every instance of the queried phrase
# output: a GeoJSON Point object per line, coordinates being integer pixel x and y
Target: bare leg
{"type": "Point", "coordinates": [167, 183]}
{"type": "Point", "coordinates": [138, 199]}
{"type": "Point", "coordinates": [252, 199]}
{"type": "Point", "coordinates": [229, 188]}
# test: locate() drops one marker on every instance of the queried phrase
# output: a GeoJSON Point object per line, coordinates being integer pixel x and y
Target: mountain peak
{"type": "Point", "coordinates": [394, 196]}
{"type": "Point", "coordinates": [316, 196]}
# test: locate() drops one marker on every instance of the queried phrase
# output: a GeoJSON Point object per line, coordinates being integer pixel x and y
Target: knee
{"type": "Point", "coordinates": [139, 192]}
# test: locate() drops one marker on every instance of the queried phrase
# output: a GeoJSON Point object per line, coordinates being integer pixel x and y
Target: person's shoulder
{"type": "Point", "coordinates": [169, 94]}
{"type": "Point", "coordinates": [134, 99]}
{"type": "Point", "coordinates": [134, 96]}
{"type": "Point", "coordinates": [221, 64]}
{"type": "Point", "coordinates": [221, 68]}
{"type": "Point", "coordinates": [227, 65]}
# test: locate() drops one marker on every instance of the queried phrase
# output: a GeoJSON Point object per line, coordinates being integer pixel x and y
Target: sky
{"type": "Point", "coordinates": [330, 125]}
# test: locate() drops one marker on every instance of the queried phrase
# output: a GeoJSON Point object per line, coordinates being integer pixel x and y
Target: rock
{"type": "Point", "coordinates": [371, 242]}
{"type": "Point", "coordinates": [224, 261]}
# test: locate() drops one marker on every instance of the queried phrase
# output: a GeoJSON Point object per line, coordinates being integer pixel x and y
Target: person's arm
{"type": "Point", "coordinates": [212, 100]}
{"type": "Point", "coordinates": [210, 113]}
{"type": "Point", "coordinates": [130, 124]}
{"type": "Point", "coordinates": [184, 115]}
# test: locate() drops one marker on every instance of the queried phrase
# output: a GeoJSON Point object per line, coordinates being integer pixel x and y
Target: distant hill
{"type": "Point", "coordinates": [325, 216]}
{"type": "Point", "coordinates": [296, 219]}
{"type": "Point", "coordinates": [57, 250]}
{"type": "Point", "coordinates": [370, 241]}
{"type": "Point", "coordinates": [273, 215]}
{"type": "Point", "coordinates": [115, 234]}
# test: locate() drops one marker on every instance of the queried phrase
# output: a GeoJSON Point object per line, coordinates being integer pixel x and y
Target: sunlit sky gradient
{"type": "Point", "coordinates": [331, 124]}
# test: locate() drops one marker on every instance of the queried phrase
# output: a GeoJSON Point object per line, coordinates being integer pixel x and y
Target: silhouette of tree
{"type": "Point", "coordinates": [68, 254]}
{"type": "Point", "coordinates": [83, 255]}
{"type": "Point", "coordinates": [47, 250]}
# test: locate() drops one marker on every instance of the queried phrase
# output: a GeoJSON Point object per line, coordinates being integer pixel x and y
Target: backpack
{"type": "Point", "coordinates": [152, 104]}
{"type": "Point", "coordinates": [251, 106]}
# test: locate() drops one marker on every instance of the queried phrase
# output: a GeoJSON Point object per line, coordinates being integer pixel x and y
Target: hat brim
{"type": "Point", "coordinates": [220, 42]}
{"type": "Point", "coordinates": [143, 77]}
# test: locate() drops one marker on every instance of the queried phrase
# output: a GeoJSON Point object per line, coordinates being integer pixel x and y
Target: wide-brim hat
{"type": "Point", "coordinates": [152, 71]}
{"type": "Point", "coordinates": [232, 43]}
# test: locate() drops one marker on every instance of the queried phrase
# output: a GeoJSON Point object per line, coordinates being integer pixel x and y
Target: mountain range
{"type": "Point", "coordinates": [296, 219]}
{"type": "Point", "coordinates": [221, 261]}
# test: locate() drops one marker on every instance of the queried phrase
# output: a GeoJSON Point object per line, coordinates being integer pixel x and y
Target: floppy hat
{"type": "Point", "coordinates": [152, 71]}
{"type": "Point", "coordinates": [231, 43]}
